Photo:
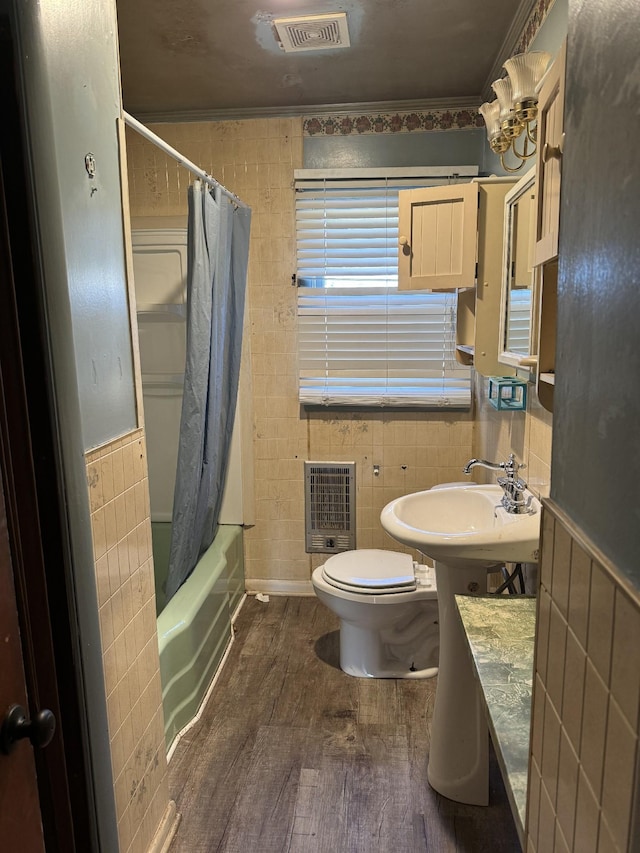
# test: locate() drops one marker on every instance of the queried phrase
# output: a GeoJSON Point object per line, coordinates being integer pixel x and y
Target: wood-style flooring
{"type": "Point", "coordinates": [291, 755]}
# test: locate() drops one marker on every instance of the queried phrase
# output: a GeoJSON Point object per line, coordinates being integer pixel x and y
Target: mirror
{"type": "Point", "coordinates": [517, 274]}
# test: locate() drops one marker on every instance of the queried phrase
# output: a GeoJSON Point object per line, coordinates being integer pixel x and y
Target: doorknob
{"type": "Point", "coordinates": [16, 726]}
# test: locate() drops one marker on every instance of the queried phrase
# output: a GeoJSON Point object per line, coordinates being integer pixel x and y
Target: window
{"type": "Point", "coordinates": [362, 342]}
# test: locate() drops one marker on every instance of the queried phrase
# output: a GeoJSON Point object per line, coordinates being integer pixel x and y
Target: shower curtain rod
{"type": "Point", "coordinates": [151, 136]}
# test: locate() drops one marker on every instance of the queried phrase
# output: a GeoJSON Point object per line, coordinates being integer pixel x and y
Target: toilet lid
{"type": "Point", "coordinates": [370, 571]}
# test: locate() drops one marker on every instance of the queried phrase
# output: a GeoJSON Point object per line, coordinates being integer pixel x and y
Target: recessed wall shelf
{"type": "Point", "coordinates": [467, 350]}
{"type": "Point", "coordinates": [162, 384]}
{"type": "Point", "coordinates": [162, 313]}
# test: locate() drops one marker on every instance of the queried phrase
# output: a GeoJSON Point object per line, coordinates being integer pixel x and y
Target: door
{"type": "Point", "coordinates": [20, 821]}
{"type": "Point", "coordinates": [437, 228]}
{"type": "Point", "coordinates": [38, 628]}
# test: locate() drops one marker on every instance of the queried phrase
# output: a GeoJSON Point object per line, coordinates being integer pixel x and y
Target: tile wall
{"type": "Point", "coordinates": [527, 434]}
{"type": "Point", "coordinates": [584, 744]}
{"type": "Point", "coordinates": [255, 159]}
{"type": "Point", "coordinates": [120, 521]}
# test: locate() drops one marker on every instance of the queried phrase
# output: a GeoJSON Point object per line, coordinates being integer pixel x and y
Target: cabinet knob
{"type": "Point", "coordinates": [405, 246]}
{"type": "Point", "coordinates": [552, 152]}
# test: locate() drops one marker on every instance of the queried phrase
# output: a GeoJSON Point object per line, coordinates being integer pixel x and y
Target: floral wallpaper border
{"type": "Point", "coordinates": [392, 123]}
{"type": "Point", "coordinates": [532, 26]}
{"type": "Point", "coordinates": [406, 122]}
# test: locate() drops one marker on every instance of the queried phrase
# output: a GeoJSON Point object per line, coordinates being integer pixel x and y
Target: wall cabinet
{"type": "Point", "coordinates": [549, 171]}
{"type": "Point", "coordinates": [451, 237]}
{"type": "Point", "coordinates": [437, 227]}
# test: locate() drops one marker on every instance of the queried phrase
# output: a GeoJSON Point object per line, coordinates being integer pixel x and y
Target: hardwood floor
{"type": "Point", "coordinates": [292, 755]}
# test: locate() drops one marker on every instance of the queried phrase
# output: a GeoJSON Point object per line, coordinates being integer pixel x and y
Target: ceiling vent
{"type": "Point", "coordinates": [312, 32]}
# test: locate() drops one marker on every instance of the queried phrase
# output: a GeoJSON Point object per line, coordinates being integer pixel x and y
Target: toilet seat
{"type": "Point", "coordinates": [371, 571]}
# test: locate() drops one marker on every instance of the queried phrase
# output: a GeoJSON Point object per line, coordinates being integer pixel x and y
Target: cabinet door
{"type": "Point", "coordinates": [437, 235]}
{"type": "Point", "coordinates": [522, 261]}
{"type": "Point", "coordinates": [549, 161]}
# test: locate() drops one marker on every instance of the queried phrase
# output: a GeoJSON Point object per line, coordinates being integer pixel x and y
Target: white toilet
{"type": "Point", "coordinates": [388, 610]}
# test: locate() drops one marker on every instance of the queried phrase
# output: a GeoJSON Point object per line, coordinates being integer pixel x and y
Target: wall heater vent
{"type": "Point", "coordinates": [330, 507]}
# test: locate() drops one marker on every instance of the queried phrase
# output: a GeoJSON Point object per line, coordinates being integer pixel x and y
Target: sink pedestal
{"type": "Point", "coordinates": [459, 752]}
{"type": "Point", "coordinates": [468, 532]}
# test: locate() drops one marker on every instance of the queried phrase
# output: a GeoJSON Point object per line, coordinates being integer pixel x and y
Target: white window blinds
{"type": "Point", "coordinates": [519, 321]}
{"type": "Point", "coordinates": [361, 342]}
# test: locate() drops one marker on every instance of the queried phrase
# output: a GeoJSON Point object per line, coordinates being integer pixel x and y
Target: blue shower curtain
{"type": "Point", "coordinates": [218, 252]}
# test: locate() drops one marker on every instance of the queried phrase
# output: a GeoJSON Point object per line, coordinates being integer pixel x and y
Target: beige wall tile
{"type": "Point", "coordinates": [567, 788]}
{"type": "Point", "coordinates": [542, 633]}
{"type": "Point", "coordinates": [625, 672]}
{"type": "Point", "coordinates": [619, 766]}
{"type": "Point", "coordinates": [561, 569]}
{"type": "Point", "coordinates": [594, 727]}
{"type": "Point", "coordinates": [606, 842]}
{"type": "Point", "coordinates": [579, 592]}
{"type": "Point", "coordinates": [550, 750]}
{"type": "Point", "coordinates": [560, 845]}
{"type": "Point", "coordinates": [537, 725]}
{"type": "Point", "coordinates": [573, 689]}
{"type": "Point", "coordinates": [547, 535]}
{"type": "Point", "coordinates": [598, 715]}
{"type": "Point", "coordinates": [117, 489]}
{"type": "Point", "coordinates": [601, 598]}
{"type": "Point", "coordinates": [527, 434]}
{"type": "Point", "coordinates": [587, 818]}
{"type": "Point", "coordinates": [533, 804]}
{"type": "Point", "coordinates": [556, 657]}
{"type": "Point", "coordinates": [546, 822]}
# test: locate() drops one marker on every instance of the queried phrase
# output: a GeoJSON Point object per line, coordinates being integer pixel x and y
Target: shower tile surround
{"type": "Point", "coordinates": [120, 520]}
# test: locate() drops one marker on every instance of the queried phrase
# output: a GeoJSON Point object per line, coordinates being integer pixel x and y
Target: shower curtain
{"type": "Point", "coordinates": [218, 252]}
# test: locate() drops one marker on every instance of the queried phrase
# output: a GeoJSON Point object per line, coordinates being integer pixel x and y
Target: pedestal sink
{"type": "Point", "coordinates": [467, 532]}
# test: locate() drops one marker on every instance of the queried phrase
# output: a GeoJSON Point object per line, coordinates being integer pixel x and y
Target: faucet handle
{"type": "Point", "coordinates": [512, 466]}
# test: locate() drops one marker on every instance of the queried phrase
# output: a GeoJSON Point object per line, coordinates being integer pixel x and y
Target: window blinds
{"type": "Point", "coordinates": [374, 347]}
{"type": "Point", "coordinates": [519, 321]}
{"type": "Point", "coordinates": [361, 342]}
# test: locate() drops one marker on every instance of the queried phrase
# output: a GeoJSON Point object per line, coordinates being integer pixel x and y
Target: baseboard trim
{"type": "Point", "coordinates": [276, 587]}
{"type": "Point", "coordinates": [166, 831]}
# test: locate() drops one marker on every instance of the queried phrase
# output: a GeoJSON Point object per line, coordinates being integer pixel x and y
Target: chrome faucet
{"type": "Point", "coordinates": [483, 463]}
{"type": "Point", "coordinates": [513, 486]}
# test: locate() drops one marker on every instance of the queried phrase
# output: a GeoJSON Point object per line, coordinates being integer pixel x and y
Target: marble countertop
{"type": "Point", "coordinates": [501, 632]}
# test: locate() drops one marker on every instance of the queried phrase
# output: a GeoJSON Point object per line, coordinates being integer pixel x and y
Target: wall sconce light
{"type": "Point", "coordinates": [514, 112]}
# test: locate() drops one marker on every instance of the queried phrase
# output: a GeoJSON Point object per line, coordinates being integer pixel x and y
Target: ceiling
{"type": "Point", "coordinates": [218, 58]}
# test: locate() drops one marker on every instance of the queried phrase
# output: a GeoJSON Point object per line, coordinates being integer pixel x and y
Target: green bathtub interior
{"type": "Point", "coordinates": [194, 628]}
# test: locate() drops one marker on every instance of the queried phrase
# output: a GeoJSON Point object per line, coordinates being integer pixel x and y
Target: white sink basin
{"type": "Point", "coordinates": [462, 525]}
